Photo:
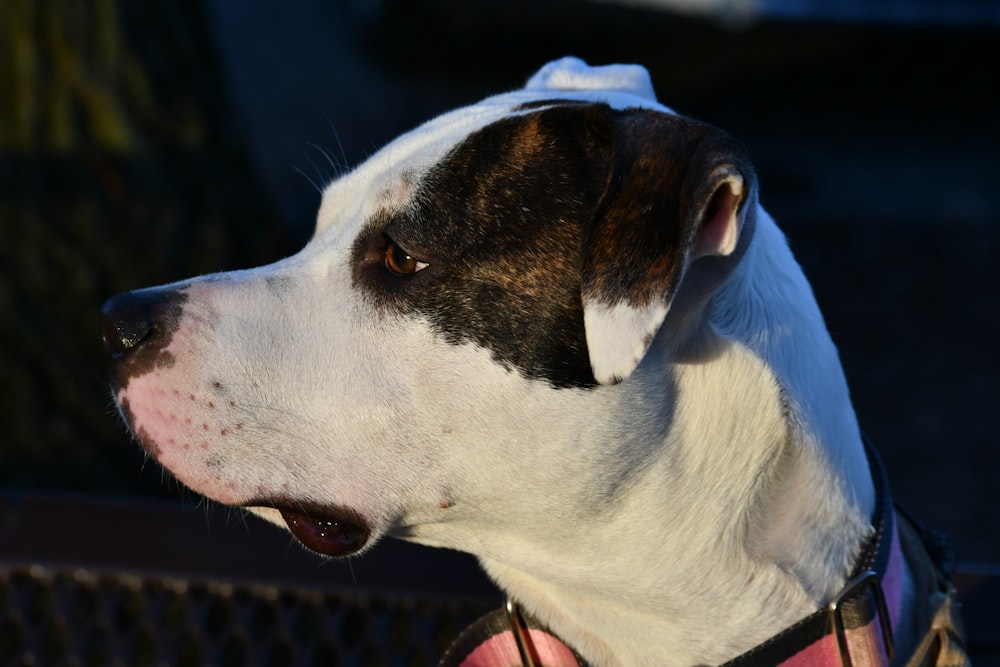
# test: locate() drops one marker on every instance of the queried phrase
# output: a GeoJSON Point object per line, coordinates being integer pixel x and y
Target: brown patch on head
{"type": "Point", "coordinates": [530, 213]}
{"type": "Point", "coordinates": [500, 221]}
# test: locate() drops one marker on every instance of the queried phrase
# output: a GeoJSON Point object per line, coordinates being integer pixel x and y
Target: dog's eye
{"type": "Point", "coordinates": [400, 263]}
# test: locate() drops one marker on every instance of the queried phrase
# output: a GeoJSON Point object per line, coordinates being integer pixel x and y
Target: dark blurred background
{"type": "Point", "coordinates": [144, 142]}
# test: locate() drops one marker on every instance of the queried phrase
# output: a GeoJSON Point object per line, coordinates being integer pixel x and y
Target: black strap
{"type": "Point", "coordinates": [875, 554]}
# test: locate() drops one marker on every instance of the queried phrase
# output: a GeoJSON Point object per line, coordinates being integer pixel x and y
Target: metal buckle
{"type": "Point", "coordinates": [520, 630]}
{"type": "Point", "coordinates": [866, 580]}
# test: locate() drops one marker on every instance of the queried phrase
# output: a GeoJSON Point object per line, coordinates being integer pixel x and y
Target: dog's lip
{"type": "Point", "coordinates": [326, 529]}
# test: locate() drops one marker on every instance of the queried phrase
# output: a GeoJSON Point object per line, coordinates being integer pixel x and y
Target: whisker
{"type": "Point", "coordinates": [322, 176]}
{"type": "Point", "coordinates": [336, 135]}
{"type": "Point", "coordinates": [311, 182]}
{"type": "Point", "coordinates": [338, 167]}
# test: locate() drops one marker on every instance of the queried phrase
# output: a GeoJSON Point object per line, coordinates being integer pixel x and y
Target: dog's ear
{"type": "Point", "coordinates": [678, 192]}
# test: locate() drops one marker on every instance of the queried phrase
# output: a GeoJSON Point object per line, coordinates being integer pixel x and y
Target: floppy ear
{"type": "Point", "coordinates": [678, 192]}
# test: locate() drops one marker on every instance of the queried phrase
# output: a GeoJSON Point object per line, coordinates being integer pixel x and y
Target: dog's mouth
{"type": "Point", "coordinates": [330, 531]}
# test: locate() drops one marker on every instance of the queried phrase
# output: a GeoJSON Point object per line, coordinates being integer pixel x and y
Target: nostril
{"type": "Point", "coordinates": [125, 323]}
{"type": "Point", "coordinates": [132, 319]}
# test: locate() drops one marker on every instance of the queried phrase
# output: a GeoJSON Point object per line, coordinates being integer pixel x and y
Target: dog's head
{"type": "Point", "coordinates": [471, 297]}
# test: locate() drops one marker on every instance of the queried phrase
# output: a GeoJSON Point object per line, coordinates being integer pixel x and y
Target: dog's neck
{"type": "Point", "coordinates": [746, 519]}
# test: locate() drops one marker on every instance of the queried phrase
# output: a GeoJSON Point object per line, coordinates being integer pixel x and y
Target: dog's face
{"type": "Point", "coordinates": [472, 298]}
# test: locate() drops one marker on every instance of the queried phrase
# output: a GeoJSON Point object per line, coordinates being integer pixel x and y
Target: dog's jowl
{"type": "Point", "coordinates": [554, 329]}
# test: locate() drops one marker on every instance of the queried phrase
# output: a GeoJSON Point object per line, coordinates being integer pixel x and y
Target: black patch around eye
{"type": "Point", "coordinates": [368, 249]}
{"type": "Point", "coordinates": [506, 209]}
{"type": "Point", "coordinates": [368, 264]}
{"type": "Point", "coordinates": [500, 221]}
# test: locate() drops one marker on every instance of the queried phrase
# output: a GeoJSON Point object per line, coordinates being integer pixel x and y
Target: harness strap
{"type": "Point", "coordinates": [938, 619]}
{"type": "Point", "coordinates": [943, 645]}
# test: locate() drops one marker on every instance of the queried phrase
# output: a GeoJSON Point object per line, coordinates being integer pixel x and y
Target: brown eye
{"type": "Point", "coordinates": [400, 263]}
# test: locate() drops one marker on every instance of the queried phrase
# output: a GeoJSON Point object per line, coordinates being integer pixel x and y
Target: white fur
{"type": "Point", "coordinates": [619, 335]}
{"type": "Point", "coordinates": [573, 74]}
{"type": "Point", "coordinates": [713, 497]}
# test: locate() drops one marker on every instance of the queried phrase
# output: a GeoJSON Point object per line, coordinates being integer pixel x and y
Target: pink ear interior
{"type": "Point", "coordinates": [721, 224]}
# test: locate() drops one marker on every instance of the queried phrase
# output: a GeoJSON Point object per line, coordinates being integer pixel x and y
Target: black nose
{"type": "Point", "coordinates": [134, 320]}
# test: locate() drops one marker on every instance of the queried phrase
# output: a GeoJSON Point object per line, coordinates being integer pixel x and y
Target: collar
{"type": "Point", "coordinates": [856, 629]}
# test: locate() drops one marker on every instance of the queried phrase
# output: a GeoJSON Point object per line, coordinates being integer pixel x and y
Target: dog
{"type": "Point", "coordinates": [554, 329]}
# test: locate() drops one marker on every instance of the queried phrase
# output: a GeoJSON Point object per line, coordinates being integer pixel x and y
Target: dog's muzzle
{"type": "Point", "coordinates": [137, 329]}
